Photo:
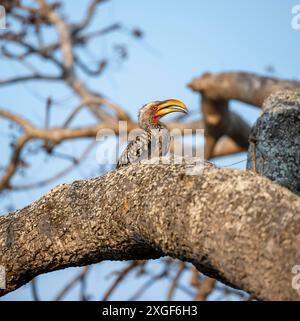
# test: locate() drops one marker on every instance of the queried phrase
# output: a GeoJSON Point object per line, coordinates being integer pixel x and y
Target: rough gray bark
{"type": "Point", "coordinates": [275, 140]}
{"type": "Point", "coordinates": [233, 225]}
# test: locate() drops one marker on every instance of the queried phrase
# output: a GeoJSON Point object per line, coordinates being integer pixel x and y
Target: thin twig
{"type": "Point", "coordinates": [174, 282]}
{"type": "Point", "coordinates": [71, 284]}
{"type": "Point", "coordinates": [34, 290]}
{"type": "Point", "coordinates": [121, 275]}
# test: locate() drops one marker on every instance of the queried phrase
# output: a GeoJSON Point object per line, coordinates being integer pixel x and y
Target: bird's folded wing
{"type": "Point", "coordinates": [137, 150]}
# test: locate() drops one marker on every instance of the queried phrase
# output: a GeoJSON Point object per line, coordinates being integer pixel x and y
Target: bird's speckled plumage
{"type": "Point", "coordinates": [155, 138]}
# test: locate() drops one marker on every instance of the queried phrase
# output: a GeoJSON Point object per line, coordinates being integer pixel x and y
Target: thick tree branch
{"type": "Point", "coordinates": [246, 87]}
{"type": "Point", "coordinates": [235, 226]}
{"type": "Point", "coordinates": [218, 89]}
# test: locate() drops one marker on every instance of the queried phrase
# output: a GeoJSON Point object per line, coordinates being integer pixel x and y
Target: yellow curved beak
{"type": "Point", "coordinates": [170, 106]}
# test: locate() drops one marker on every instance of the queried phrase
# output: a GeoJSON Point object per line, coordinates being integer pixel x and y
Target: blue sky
{"type": "Point", "coordinates": [183, 39]}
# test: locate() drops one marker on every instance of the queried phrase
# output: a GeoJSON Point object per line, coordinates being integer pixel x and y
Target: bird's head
{"type": "Point", "coordinates": [153, 111]}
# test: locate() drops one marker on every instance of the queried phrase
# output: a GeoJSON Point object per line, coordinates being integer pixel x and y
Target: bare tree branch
{"type": "Point", "coordinates": [71, 284]}
{"type": "Point", "coordinates": [246, 87]}
{"type": "Point", "coordinates": [217, 90]}
{"type": "Point", "coordinates": [18, 79]}
{"type": "Point", "coordinates": [54, 136]}
{"type": "Point", "coordinates": [120, 277]}
{"type": "Point", "coordinates": [221, 221]}
{"type": "Point", "coordinates": [205, 289]}
{"type": "Point", "coordinates": [175, 280]}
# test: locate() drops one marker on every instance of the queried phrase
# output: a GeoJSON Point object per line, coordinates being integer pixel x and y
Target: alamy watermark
{"type": "Point", "coordinates": [2, 18]}
{"type": "Point", "coordinates": [295, 22]}
{"type": "Point", "coordinates": [296, 278]}
{"type": "Point", "coordinates": [2, 277]}
{"type": "Point", "coordinates": [186, 144]}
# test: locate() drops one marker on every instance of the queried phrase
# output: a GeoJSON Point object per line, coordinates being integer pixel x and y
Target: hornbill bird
{"type": "Point", "coordinates": [155, 139]}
